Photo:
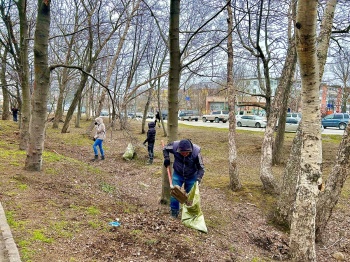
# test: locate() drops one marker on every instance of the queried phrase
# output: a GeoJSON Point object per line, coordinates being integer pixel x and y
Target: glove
{"type": "Point", "coordinates": [166, 162]}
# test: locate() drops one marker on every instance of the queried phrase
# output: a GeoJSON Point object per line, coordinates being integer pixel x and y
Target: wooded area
{"type": "Point", "coordinates": [82, 57]}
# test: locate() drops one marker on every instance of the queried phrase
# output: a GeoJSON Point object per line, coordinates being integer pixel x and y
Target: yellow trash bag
{"type": "Point", "coordinates": [192, 215]}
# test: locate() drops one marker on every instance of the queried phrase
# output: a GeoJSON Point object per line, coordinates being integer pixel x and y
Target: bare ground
{"type": "Point", "coordinates": [63, 212]}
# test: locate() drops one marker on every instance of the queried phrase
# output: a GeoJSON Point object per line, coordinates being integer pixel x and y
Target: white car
{"type": "Point", "coordinates": [252, 121]}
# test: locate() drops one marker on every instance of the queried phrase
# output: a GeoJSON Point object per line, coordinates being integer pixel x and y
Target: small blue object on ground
{"type": "Point", "coordinates": [114, 224]}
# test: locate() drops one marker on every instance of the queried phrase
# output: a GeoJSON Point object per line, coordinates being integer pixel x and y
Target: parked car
{"type": "Point", "coordinates": [216, 116]}
{"type": "Point", "coordinates": [150, 115]}
{"type": "Point", "coordinates": [295, 115]}
{"type": "Point", "coordinates": [292, 124]}
{"type": "Point", "coordinates": [188, 115]}
{"type": "Point", "coordinates": [104, 113]}
{"type": "Point", "coordinates": [131, 115]}
{"type": "Point", "coordinates": [339, 120]}
{"type": "Point", "coordinates": [252, 121]}
{"type": "Point", "coordinates": [139, 115]}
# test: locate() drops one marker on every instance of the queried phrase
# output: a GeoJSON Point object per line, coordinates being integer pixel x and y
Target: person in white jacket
{"type": "Point", "coordinates": [100, 135]}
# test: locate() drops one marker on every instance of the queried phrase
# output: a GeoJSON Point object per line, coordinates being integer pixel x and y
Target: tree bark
{"type": "Point", "coordinates": [286, 199]}
{"type": "Point", "coordinates": [288, 195]}
{"type": "Point", "coordinates": [6, 96]}
{"type": "Point", "coordinates": [235, 183]}
{"type": "Point", "coordinates": [282, 92]}
{"type": "Point", "coordinates": [302, 234]}
{"type": "Point", "coordinates": [325, 35]}
{"type": "Point", "coordinates": [334, 184]}
{"type": "Point", "coordinates": [287, 82]}
{"type": "Point", "coordinates": [173, 87]}
{"type": "Point", "coordinates": [41, 88]}
{"type": "Point", "coordinates": [24, 75]}
{"type": "Point", "coordinates": [174, 73]}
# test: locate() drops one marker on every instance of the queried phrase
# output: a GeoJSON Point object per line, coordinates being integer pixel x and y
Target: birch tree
{"type": "Point", "coordinates": [302, 234]}
{"type": "Point", "coordinates": [292, 171]}
{"type": "Point", "coordinates": [235, 183]}
{"type": "Point", "coordinates": [341, 70]}
{"type": "Point", "coordinates": [282, 91]}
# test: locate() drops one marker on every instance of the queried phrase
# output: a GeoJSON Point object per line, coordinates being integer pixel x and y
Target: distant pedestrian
{"type": "Point", "coordinates": [157, 119]}
{"type": "Point", "coordinates": [100, 135]}
{"type": "Point", "coordinates": [151, 137]}
{"type": "Point", "coordinates": [14, 113]}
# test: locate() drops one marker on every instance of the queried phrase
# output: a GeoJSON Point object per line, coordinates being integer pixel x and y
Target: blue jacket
{"type": "Point", "coordinates": [151, 133]}
{"type": "Point", "coordinates": [189, 166]}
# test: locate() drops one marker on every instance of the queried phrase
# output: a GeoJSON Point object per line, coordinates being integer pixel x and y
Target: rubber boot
{"type": "Point", "coordinates": [149, 162]}
{"type": "Point", "coordinates": [96, 158]}
{"type": "Point", "coordinates": [102, 157]}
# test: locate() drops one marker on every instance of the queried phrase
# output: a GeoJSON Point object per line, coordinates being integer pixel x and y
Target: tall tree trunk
{"type": "Point", "coordinates": [5, 93]}
{"type": "Point", "coordinates": [24, 75]}
{"type": "Point", "coordinates": [287, 86]}
{"type": "Point", "coordinates": [302, 234]}
{"type": "Point", "coordinates": [235, 183]}
{"type": "Point", "coordinates": [173, 87]}
{"type": "Point", "coordinates": [287, 195]}
{"type": "Point", "coordinates": [148, 102]}
{"type": "Point", "coordinates": [41, 88]}
{"type": "Point", "coordinates": [334, 184]}
{"type": "Point", "coordinates": [325, 35]}
{"type": "Point", "coordinates": [266, 160]}
{"type": "Point", "coordinates": [293, 162]}
{"type": "Point", "coordinates": [174, 73]}
{"type": "Point", "coordinates": [75, 100]}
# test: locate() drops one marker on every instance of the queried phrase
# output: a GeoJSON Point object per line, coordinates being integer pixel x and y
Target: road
{"type": "Point", "coordinates": [328, 131]}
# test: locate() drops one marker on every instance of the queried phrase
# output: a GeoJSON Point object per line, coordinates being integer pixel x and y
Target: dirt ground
{"type": "Point", "coordinates": [63, 212]}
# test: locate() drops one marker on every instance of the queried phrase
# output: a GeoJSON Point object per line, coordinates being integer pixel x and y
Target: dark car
{"type": "Point", "coordinates": [339, 120]}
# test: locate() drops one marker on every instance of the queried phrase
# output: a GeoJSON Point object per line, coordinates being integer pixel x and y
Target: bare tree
{"type": "Point", "coordinates": [341, 70]}
{"type": "Point", "coordinates": [42, 85]}
{"type": "Point", "coordinates": [6, 95]}
{"type": "Point", "coordinates": [235, 183]}
{"type": "Point", "coordinates": [302, 234]}
{"type": "Point", "coordinates": [19, 53]}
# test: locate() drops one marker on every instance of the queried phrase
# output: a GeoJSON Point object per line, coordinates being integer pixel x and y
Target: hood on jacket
{"type": "Point", "coordinates": [151, 125]}
{"type": "Point", "coordinates": [185, 146]}
{"type": "Point", "coordinates": [99, 120]}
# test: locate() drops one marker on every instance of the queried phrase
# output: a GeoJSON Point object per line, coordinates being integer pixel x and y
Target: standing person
{"type": "Point", "coordinates": [158, 119]}
{"type": "Point", "coordinates": [150, 139]}
{"type": "Point", "coordinates": [188, 168]}
{"type": "Point", "coordinates": [14, 113]}
{"type": "Point", "coordinates": [100, 135]}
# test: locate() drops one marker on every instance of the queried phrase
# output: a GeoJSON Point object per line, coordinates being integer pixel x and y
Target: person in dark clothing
{"type": "Point", "coordinates": [157, 119]}
{"type": "Point", "coordinates": [150, 139]}
{"type": "Point", "coordinates": [14, 113]}
{"type": "Point", "coordinates": [188, 168]}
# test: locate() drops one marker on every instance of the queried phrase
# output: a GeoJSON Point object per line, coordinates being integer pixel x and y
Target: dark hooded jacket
{"type": "Point", "coordinates": [151, 133]}
{"type": "Point", "coordinates": [189, 166]}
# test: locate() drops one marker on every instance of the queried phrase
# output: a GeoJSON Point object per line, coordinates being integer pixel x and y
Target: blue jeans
{"type": "Point", "coordinates": [150, 151]}
{"type": "Point", "coordinates": [98, 143]}
{"type": "Point", "coordinates": [179, 180]}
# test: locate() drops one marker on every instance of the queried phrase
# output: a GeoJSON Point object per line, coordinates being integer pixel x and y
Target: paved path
{"type": "Point", "coordinates": [8, 248]}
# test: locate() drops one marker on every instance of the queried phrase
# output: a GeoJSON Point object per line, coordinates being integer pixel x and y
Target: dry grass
{"type": "Point", "coordinates": [62, 213]}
